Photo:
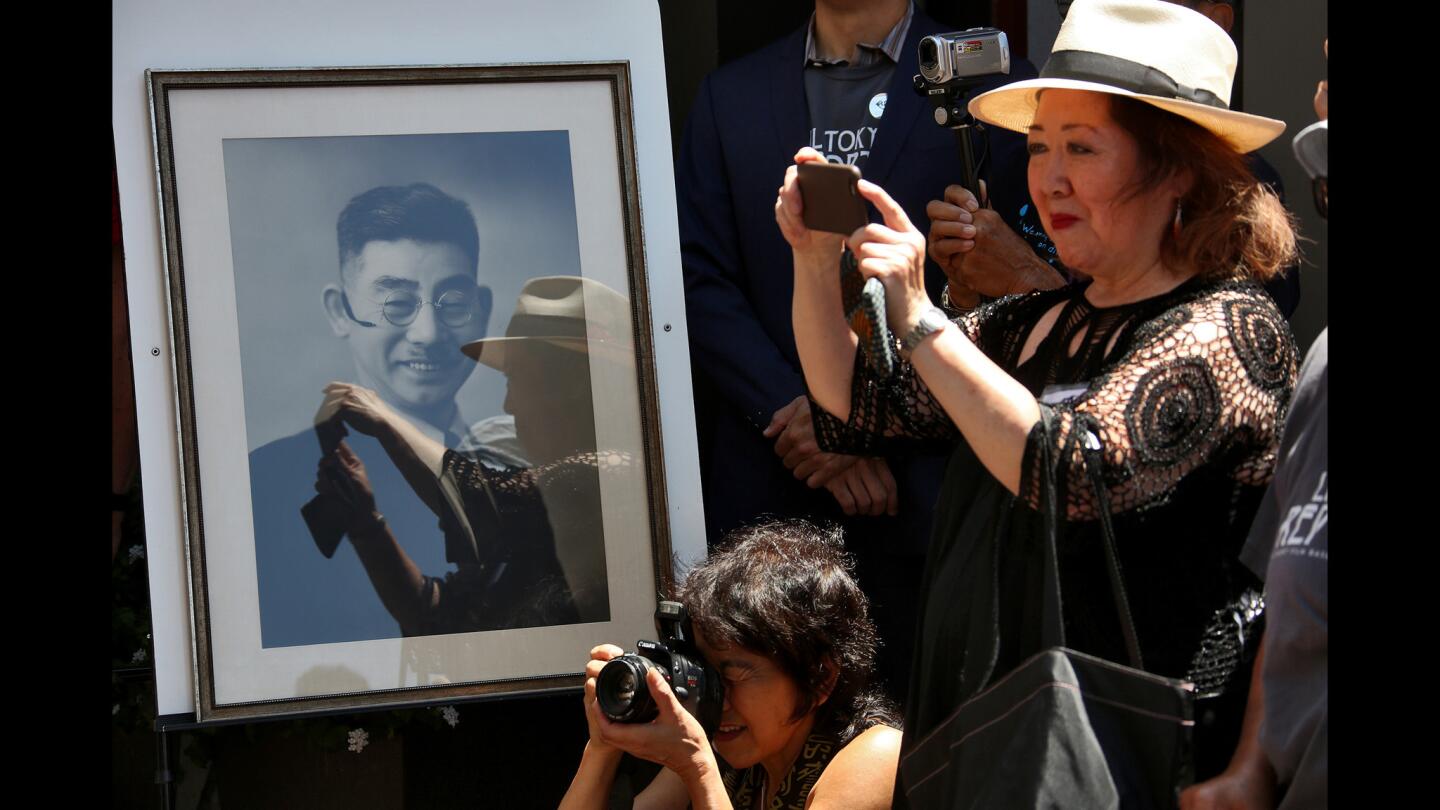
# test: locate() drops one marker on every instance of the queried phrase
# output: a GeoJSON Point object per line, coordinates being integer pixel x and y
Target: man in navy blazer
{"type": "Point", "coordinates": [749, 119]}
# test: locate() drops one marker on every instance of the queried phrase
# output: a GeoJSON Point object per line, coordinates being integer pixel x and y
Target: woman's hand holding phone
{"type": "Point", "coordinates": [812, 247]}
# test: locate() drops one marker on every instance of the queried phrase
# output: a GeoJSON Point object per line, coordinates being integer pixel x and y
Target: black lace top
{"type": "Point", "coordinates": [1186, 393]}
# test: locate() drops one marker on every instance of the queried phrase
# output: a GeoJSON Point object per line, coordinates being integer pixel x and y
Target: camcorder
{"type": "Point", "coordinates": [951, 65]}
{"type": "Point", "coordinates": [620, 689]}
{"type": "Point", "coordinates": [962, 56]}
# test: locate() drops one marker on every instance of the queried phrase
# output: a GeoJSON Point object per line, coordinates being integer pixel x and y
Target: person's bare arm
{"type": "Point", "coordinates": [674, 739]}
{"type": "Point", "coordinates": [416, 456]}
{"type": "Point", "coordinates": [590, 787]}
{"type": "Point", "coordinates": [666, 792]}
{"type": "Point", "coordinates": [862, 774]}
{"type": "Point", "coordinates": [1248, 783]}
{"type": "Point", "coordinates": [993, 411]}
{"type": "Point", "coordinates": [823, 339]}
{"type": "Point", "coordinates": [396, 579]}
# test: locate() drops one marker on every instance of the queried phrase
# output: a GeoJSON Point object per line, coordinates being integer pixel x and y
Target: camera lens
{"type": "Point", "coordinates": [929, 58]}
{"type": "Point", "coordinates": [621, 691]}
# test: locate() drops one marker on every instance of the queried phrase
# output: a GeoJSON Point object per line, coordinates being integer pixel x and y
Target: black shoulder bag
{"type": "Point", "coordinates": [1063, 729]}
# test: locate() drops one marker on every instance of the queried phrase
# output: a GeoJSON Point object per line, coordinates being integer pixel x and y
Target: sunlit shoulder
{"type": "Point", "coordinates": [862, 774]}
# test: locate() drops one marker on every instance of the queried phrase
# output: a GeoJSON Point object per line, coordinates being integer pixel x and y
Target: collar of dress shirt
{"type": "Point", "coordinates": [866, 53]}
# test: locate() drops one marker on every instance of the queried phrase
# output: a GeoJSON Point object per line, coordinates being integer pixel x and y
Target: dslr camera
{"type": "Point", "coordinates": [620, 689]}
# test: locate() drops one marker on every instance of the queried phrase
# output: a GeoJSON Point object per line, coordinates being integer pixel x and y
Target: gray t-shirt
{"type": "Point", "coordinates": [1289, 547]}
{"type": "Point", "coordinates": [846, 102]}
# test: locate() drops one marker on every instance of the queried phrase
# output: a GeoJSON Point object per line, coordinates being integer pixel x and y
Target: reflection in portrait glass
{"type": "Point", "coordinates": [451, 482]}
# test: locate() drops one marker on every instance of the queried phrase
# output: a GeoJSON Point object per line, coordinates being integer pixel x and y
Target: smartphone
{"type": "Point", "coordinates": [831, 197]}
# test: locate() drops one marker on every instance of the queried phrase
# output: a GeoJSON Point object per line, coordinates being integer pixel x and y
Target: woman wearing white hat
{"type": "Point", "coordinates": [1170, 356]}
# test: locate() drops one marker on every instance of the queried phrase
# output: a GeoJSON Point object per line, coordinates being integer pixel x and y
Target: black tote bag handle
{"type": "Point", "coordinates": [1053, 630]}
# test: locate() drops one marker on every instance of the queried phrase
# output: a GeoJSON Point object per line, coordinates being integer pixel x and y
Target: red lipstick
{"type": "Point", "coordinates": [1060, 222]}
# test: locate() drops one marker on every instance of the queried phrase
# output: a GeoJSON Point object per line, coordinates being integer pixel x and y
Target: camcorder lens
{"type": "Point", "coordinates": [929, 58]}
{"type": "Point", "coordinates": [621, 692]}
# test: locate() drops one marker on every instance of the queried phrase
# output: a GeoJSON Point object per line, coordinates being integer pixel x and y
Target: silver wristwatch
{"type": "Point", "coordinates": [931, 321]}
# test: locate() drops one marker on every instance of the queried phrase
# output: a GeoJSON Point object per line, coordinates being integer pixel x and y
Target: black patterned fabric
{"type": "Point", "coordinates": [746, 788]}
{"type": "Point", "coordinates": [1186, 393]}
{"type": "Point", "coordinates": [510, 576]}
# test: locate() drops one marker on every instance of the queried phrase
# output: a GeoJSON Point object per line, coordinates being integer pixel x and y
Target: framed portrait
{"type": "Point", "coordinates": [421, 451]}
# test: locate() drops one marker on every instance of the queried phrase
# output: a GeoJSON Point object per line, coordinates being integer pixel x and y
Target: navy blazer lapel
{"type": "Point", "coordinates": [789, 111]}
{"type": "Point", "coordinates": [904, 108]}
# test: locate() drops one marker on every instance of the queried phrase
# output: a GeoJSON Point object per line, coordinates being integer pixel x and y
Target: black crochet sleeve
{"type": "Point", "coordinates": [1207, 382]}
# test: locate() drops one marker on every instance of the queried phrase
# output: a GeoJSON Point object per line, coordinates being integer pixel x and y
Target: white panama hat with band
{"type": "Point", "coordinates": [1162, 54]}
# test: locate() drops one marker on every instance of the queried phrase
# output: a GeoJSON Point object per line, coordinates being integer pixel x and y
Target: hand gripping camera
{"type": "Point", "coordinates": [620, 688]}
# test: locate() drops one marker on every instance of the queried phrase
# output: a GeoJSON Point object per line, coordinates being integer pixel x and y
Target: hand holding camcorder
{"type": "Point", "coordinates": [951, 65]}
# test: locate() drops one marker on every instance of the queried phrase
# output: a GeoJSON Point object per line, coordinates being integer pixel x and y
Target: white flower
{"type": "Point", "coordinates": [451, 715]}
{"type": "Point", "coordinates": [359, 738]}
{"type": "Point", "coordinates": [138, 657]}
{"type": "Point", "coordinates": [137, 552]}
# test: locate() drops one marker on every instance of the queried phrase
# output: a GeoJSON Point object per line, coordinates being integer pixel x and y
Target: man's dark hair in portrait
{"type": "Point", "coordinates": [419, 211]}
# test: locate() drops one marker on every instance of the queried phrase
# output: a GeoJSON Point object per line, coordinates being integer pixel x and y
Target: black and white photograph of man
{"type": "Point", "coordinates": [367, 263]}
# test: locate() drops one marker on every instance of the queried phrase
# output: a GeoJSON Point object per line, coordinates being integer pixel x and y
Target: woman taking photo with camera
{"type": "Point", "coordinates": [777, 613]}
{"type": "Point", "coordinates": [1170, 368]}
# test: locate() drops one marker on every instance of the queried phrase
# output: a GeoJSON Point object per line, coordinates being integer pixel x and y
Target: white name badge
{"type": "Point", "coordinates": [1056, 394]}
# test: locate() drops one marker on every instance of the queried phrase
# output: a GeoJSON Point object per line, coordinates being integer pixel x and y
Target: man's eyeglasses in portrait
{"type": "Point", "coordinates": [454, 308]}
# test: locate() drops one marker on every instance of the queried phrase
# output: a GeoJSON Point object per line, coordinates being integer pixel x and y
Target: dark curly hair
{"type": "Point", "coordinates": [787, 590]}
